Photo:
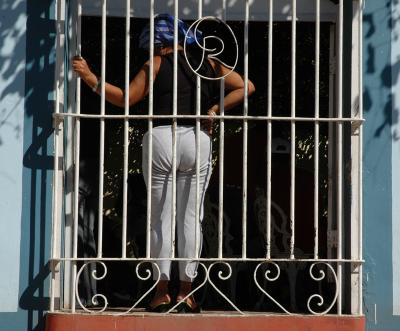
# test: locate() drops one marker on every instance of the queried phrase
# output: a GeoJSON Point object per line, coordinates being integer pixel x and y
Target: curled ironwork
{"type": "Point", "coordinates": [214, 53]}
{"type": "Point", "coordinates": [145, 277]}
{"type": "Point", "coordinates": [268, 277]}
{"type": "Point", "coordinates": [320, 300]}
{"type": "Point", "coordinates": [95, 297]}
{"type": "Point", "coordinates": [221, 276]}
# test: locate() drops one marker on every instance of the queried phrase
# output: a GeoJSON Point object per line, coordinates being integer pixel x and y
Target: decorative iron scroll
{"type": "Point", "coordinates": [317, 296]}
{"type": "Point", "coordinates": [214, 53]}
{"type": "Point", "coordinates": [271, 271]}
{"type": "Point", "coordinates": [144, 278]}
{"type": "Point", "coordinates": [96, 296]}
{"type": "Point", "coordinates": [274, 277]}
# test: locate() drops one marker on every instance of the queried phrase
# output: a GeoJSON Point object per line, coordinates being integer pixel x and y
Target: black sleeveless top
{"type": "Point", "coordinates": [186, 91]}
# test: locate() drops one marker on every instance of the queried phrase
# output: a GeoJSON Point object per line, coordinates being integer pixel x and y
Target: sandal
{"type": "Point", "coordinates": [188, 306]}
{"type": "Point", "coordinates": [162, 307]}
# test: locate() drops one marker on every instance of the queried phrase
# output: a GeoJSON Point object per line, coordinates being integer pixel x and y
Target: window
{"type": "Point", "coordinates": [283, 207]}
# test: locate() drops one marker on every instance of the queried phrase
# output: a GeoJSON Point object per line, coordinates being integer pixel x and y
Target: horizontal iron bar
{"type": "Point", "coordinates": [239, 117]}
{"type": "Point", "coordinates": [208, 313]}
{"type": "Point", "coordinates": [206, 259]}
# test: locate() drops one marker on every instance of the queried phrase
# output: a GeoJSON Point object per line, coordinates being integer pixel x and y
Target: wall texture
{"type": "Point", "coordinates": [26, 94]}
{"type": "Point", "coordinates": [380, 75]}
{"type": "Point", "coordinates": [12, 84]}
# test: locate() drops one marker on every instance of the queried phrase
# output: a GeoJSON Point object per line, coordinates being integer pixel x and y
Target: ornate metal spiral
{"type": "Point", "coordinates": [191, 273]}
{"type": "Point", "coordinates": [215, 52]}
{"type": "Point", "coordinates": [96, 296]}
{"type": "Point", "coordinates": [271, 279]}
{"type": "Point", "coordinates": [320, 299]}
{"type": "Point", "coordinates": [222, 277]}
{"type": "Point", "coordinates": [144, 278]}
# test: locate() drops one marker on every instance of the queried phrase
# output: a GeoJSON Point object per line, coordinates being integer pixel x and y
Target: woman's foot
{"type": "Point", "coordinates": [187, 305]}
{"type": "Point", "coordinates": [161, 300]}
{"type": "Point", "coordinates": [160, 304]}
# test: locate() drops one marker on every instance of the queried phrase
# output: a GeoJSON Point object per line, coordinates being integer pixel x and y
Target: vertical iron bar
{"type": "Point", "coordinates": [293, 132]}
{"type": "Point", "coordinates": [174, 126]}
{"type": "Point", "coordinates": [150, 131]}
{"type": "Point", "coordinates": [316, 128]}
{"type": "Point", "coordinates": [126, 130]}
{"type": "Point", "coordinates": [76, 157]}
{"type": "Point", "coordinates": [198, 113]}
{"type": "Point", "coordinates": [221, 158]}
{"type": "Point", "coordinates": [269, 128]}
{"type": "Point", "coordinates": [360, 153]}
{"type": "Point", "coordinates": [245, 129]}
{"type": "Point", "coordinates": [55, 230]}
{"type": "Point", "coordinates": [340, 157]}
{"type": "Point", "coordinates": [331, 137]}
{"type": "Point", "coordinates": [102, 126]}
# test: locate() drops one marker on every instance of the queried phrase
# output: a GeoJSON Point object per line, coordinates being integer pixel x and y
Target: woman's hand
{"type": "Point", "coordinates": [207, 124]}
{"type": "Point", "coordinates": [81, 67]}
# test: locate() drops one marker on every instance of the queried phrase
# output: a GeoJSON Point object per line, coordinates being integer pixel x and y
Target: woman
{"type": "Point", "coordinates": [161, 193]}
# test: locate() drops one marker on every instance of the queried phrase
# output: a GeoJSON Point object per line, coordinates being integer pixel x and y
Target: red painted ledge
{"type": "Point", "coordinates": [219, 322]}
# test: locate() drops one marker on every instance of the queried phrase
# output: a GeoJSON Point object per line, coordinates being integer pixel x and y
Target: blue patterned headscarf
{"type": "Point", "coordinates": [164, 32]}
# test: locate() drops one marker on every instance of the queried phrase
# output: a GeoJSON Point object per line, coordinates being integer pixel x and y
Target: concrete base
{"type": "Point", "coordinates": [209, 321]}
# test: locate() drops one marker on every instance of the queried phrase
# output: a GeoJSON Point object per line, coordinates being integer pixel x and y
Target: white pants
{"type": "Point", "coordinates": [161, 195]}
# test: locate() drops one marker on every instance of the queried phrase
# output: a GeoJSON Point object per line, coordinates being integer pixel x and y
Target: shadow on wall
{"type": "Point", "coordinates": [390, 73]}
{"type": "Point", "coordinates": [10, 64]}
{"type": "Point", "coordinates": [36, 67]}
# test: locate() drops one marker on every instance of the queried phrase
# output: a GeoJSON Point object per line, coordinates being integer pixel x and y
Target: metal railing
{"type": "Point", "coordinates": [67, 268]}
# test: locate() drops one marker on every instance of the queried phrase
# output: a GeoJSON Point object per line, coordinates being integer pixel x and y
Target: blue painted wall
{"type": "Point", "coordinates": [12, 82]}
{"type": "Point", "coordinates": [379, 105]}
{"type": "Point", "coordinates": [396, 157]}
{"type": "Point", "coordinates": [33, 87]}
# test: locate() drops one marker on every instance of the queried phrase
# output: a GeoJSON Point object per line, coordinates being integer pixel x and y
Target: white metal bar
{"type": "Point", "coordinates": [269, 126]}
{"type": "Point", "coordinates": [340, 155]}
{"type": "Point", "coordinates": [126, 129]}
{"type": "Point", "coordinates": [331, 134]}
{"type": "Point", "coordinates": [355, 166]}
{"type": "Point", "coordinates": [174, 127]}
{"type": "Point", "coordinates": [226, 117]}
{"type": "Point", "coordinates": [150, 131]}
{"type": "Point", "coordinates": [360, 153]}
{"type": "Point", "coordinates": [102, 125]}
{"type": "Point", "coordinates": [55, 239]}
{"type": "Point", "coordinates": [316, 127]}
{"type": "Point", "coordinates": [245, 129]}
{"type": "Point", "coordinates": [198, 111]}
{"type": "Point", "coordinates": [261, 259]}
{"type": "Point", "coordinates": [293, 132]}
{"type": "Point", "coordinates": [70, 27]}
{"type": "Point", "coordinates": [76, 157]}
{"type": "Point", "coordinates": [221, 157]}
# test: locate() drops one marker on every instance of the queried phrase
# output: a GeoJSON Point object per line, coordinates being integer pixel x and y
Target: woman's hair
{"type": "Point", "coordinates": [164, 32]}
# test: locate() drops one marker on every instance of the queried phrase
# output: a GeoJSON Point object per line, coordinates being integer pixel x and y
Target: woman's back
{"type": "Point", "coordinates": [186, 89]}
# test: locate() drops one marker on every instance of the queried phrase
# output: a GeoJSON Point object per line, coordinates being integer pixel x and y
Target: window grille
{"type": "Point", "coordinates": [339, 268]}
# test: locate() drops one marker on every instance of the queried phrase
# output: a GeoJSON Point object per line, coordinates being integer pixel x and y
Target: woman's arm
{"type": "Point", "coordinates": [234, 84]}
{"type": "Point", "coordinates": [138, 87]}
